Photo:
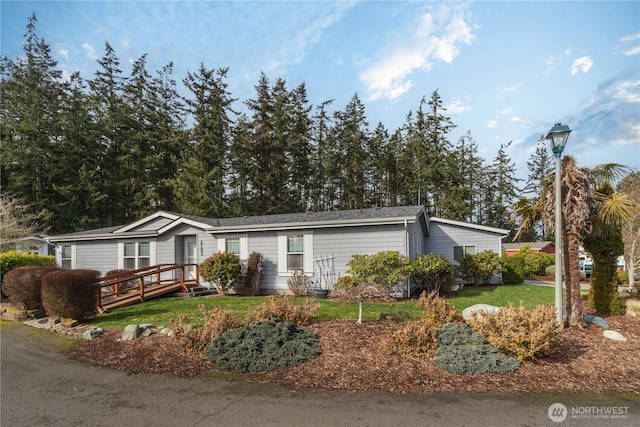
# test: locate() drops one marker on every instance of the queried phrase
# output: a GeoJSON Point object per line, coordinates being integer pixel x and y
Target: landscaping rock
{"type": "Point", "coordinates": [92, 334]}
{"type": "Point", "coordinates": [166, 331]}
{"type": "Point", "coordinates": [473, 312]}
{"type": "Point", "coordinates": [596, 320]}
{"type": "Point", "coordinates": [614, 335]}
{"type": "Point", "coordinates": [130, 332]}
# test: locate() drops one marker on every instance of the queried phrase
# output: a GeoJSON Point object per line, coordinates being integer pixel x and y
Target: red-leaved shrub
{"type": "Point", "coordinates": [70, 293]}
{"type": "Point", "coordinates": [22, 285]}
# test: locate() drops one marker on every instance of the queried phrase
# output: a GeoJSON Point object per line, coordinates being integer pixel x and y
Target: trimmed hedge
{"type": "Point", "coordinates": [70, 293]}
{"type": "Point", "coordinates": [23, 285]}
{"type": "Point", "coordinates": [12, 259]}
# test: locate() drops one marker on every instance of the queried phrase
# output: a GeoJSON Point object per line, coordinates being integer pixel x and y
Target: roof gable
{"type": "Point", "coordinates": [461, 224]}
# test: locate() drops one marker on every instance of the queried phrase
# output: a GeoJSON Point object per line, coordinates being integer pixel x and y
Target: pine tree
{"type": "Point", "coordinates": [502, 175]}
{"type": "Point", "coordinates": [200, 185]}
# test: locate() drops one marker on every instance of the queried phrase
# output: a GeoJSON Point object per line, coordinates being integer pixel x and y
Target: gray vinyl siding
{"type": "Point", "coordinates": [342, 243]}
{"type": "Point", "coordinates": [98, 255]}
{"type": "Point", "coordinates": [444, 237]}
{"type": "Point", "coordinates": [266, 243]}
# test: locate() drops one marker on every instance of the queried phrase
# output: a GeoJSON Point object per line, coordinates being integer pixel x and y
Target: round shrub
{"type": "Point", "coordinates": [222, 269]}
{"type": "Point", "coordinates": [513, 269]}
{"type": "Point", "coordinates": [70, 293]}
{"type": "Point", "coordinates": [263, 346]}
{"type": "Point", "coordinates": [22, 285]}
{"type": "Point", "coordinates": [462, 351]}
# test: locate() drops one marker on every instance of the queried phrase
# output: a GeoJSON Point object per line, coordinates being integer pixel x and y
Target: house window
{"type": "Point", "coordinates": [460, 252]}
{"type": "Point", "coordinates": [66, 257]}
{"type": "Point", "coordinates": [232, 246]}
{"type": "Point", "coordinates": [136, 255]}
{"type": "Point", "coordinates": [295, 252]}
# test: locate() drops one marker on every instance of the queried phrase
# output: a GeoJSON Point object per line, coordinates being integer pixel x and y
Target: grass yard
{"type": "Point", "coordinates": [159, 311]}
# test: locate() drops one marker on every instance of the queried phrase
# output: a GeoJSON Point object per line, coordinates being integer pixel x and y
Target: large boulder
{"type": "Point", "coordinates": [474, 312]}
{"type": "Point", "coordinates": [130, 332]}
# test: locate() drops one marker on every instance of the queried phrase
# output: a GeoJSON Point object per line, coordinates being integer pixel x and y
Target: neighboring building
{"type": "Point", "coordinates": [545, 247]}
{"type": "Point", "coordinates": [320, 243]}
{"type": "Point", "coordinates": [33, 244]}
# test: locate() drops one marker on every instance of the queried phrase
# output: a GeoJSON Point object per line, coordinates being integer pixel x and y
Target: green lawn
{"type": "Point", "coordinates": [158, 311]}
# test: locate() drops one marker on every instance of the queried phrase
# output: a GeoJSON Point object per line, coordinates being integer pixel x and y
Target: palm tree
{"type": "Point", "coordinates": [578, 202]}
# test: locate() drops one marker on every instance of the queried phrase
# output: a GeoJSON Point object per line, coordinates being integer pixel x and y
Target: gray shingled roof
{"type": "Point", "coordinates": [325, 216]}
{"type": "Point", "coordinates": [297, 218]}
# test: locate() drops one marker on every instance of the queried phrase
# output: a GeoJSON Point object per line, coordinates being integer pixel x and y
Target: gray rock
{"type": "Point", "coordinates": [130, 332]}
{"type": "Point", "coordinates": [149, 331]}
{"type": "Point", "coordinates": [614, 335]}
{"type": "Point", "coordinates": [145, 326]}
{"type": "Point", "coordinates": [91, 334]}
{"type": "Point", "coordinates": [596, 320]}
{"type": "Point", "coordinates": [165, 331]}
{"type": "Point", "coordinates": [473, 312]}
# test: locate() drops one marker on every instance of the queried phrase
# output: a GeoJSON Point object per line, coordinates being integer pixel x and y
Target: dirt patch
{"type": "Point", "coordinates": [353, 359]}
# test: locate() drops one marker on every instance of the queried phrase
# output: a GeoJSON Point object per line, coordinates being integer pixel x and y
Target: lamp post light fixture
{"type": "Point", "coordinates": [557, 138]}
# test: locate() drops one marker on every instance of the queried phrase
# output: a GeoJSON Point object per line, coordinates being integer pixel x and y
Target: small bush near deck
{"type": "Point", "coordinates": [23, 286]}
{"type": "Point", "coordinates": [462, 351]}
{"type": "Point", "coordinates": [281, 307]}
{"type": "Point", "coordinates": [437, 311]}
{"type": "Point", "coordinates": [70, 293]}
{"type": "Point", "coordinates": [216, 323]}
{"type": "Point", "coordinates": [524, 334]}
{"type": "Point", "coordinates": [299, 284]}
{"type": "Point", "coordinates": [263, 346]}
{"type": "Point", "coordinates": [415, 338]}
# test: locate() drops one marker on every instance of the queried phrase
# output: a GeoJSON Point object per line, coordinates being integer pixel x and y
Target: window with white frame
{"type": "Point", "coordinates": [238, 245]}
{"type": "Point", "coordinates": [136, 255]}
{"type": "Point", "coordinates": [295, 252]}
{"type": "Point", "coordinates": [232, 246]}
{"type": "Point", "coordinates": [66, 257]}
{"type": "Point", "coordinates": [461, 252]}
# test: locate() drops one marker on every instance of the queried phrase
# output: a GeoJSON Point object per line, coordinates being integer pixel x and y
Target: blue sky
{"type": "Point", "coordinates": [506, 71]}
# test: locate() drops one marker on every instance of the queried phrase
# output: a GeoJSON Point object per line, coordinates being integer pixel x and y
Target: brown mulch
{"type": "Point", "coordinates": [352, 359]}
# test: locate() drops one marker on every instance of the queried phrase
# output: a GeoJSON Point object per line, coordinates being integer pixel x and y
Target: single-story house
{"type": "Point", "coordinates": [545, 247]}
{"type": "Point", "coordinates": [320, 243]}
{"type": "Point", "coordinates": [32, 244]}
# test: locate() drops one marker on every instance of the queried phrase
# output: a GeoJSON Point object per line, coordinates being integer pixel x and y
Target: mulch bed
{"type": "Point", "coordinates": [353, 359]}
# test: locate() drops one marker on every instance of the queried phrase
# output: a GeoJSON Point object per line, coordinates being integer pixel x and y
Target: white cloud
{"type": "Point", "coordinates": [436, 36]}
{"type": "Point", "coordinates": [632, 51]}
{"type": "Point", "coordinates": [492, 124]}
{"type": "Point", "coordinates": [630, 38]}
{"type": "Point", "coordinates": [581, 65]}
{"type": "Point", "coordinates": [62, 51]}
{"type": "Point", "coordinates": [628, 92]}
{"type": "Point", "coordinates": [506, 91]}
{"type": "Point", "coordinates": [89, 50]}
{"type": "Point", "coordinates": [456, 107]}
{"type": "Point", "coordinates": [519, 121]}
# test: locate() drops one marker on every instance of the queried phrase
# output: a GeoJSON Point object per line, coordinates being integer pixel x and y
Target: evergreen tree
{"type": "Point", "coordinates": [200, 184]}
{"type": "Point", "coordinates": [32, 94]}
{"type": "Point", "coordinates": [351, 135]}
{"type": "Point", "coordinates": [300, 151]}
{"type": "Point", "coordinates": [322, 192]}
{"type": "Point", "coordinates": [503, 187]}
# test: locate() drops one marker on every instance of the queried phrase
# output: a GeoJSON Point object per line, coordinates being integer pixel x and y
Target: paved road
{"type": "Point", "coordinates": [40, 387]}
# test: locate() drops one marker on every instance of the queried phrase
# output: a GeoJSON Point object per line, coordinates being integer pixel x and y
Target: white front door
{"type": "Point", "coordinates": [190, 256]}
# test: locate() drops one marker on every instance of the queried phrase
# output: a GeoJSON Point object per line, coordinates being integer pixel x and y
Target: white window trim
{"type": "Point", "coordinates": [283, 269]}
{"type": "Point", "coordinates": [73, 255]}
{"type": "Point", "coordinates": [152, 253]}
{"type": "Point", "coordinates": [244, 245]}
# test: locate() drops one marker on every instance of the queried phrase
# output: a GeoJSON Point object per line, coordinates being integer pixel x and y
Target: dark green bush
{"type": "Point", "coordinates": [478, 269]}
{"type": "Point", "coordinates": [512, 270]}
{"type": "Point", "coordinates": [462, 351]}
{"type": "Point", "coordinates": [70, 293]}
{"type": "Point", "coordinates": [263, 346]}
{"type": "Point", "coordinates": [23, 286]}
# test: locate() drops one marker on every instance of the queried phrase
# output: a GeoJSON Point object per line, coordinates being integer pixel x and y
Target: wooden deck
{"type": "Point", "coordinates": [135, 286]}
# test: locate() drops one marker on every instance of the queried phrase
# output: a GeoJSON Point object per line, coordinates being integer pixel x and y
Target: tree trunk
{"type": "Point", "coordinates": [574, 298]}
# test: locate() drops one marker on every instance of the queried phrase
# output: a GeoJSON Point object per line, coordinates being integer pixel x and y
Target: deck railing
{"type": "Point", "coordinates": [129, 287]}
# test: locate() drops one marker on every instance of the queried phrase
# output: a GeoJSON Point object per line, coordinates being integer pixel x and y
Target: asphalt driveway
{"type": "Point", "coordinates": [40, 387]}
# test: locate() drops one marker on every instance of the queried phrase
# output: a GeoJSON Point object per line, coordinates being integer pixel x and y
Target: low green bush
{"type": "Point", "coordinates": [263, 346]}
{"type": "Point", "coordinates": [433, 272]}
{"type": "Point", "coordinates": [462, 351]}
{"type": "Point", "coordinates": [480, 268]}
{"type": "Point", "coordinates": [70, 293]}
{"type": "Point", "coordinates": [535, 262]}
{"type": "Point", "coordinates": [222, 269]}
{"type": "Point", "coordinates": [23, 286]}
{"type": "Point", "coordinates": [512, 270]}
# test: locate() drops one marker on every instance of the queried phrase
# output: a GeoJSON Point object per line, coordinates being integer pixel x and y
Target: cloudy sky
{"type": "Point", "coordinates": [507, 71]}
